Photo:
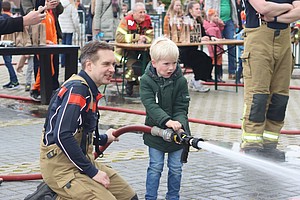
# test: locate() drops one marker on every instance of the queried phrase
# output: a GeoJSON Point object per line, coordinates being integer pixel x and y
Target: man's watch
{"type": "Point", "coordinates": [275, 19]}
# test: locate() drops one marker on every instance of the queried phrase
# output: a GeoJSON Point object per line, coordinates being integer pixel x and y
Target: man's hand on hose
{"type": "Point", "coordinates": [110, 137]}
{"type": "Point", "coordinates": [102, 178]}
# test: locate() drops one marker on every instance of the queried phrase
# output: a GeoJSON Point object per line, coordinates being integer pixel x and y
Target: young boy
{"type": "Point", "coordinates": [164, 93]}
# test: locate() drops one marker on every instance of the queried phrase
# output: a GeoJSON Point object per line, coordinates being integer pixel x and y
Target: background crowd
{"type": "Point", "coordinates": [76, 21]}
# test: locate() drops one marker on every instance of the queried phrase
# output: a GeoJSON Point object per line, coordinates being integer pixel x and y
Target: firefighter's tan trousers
{"type": "Point", "coordinates": [66, 180]}
{"type": "Point", "coordinates": [268, 64]}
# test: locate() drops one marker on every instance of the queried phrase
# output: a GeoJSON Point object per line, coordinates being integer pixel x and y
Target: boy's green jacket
{"type": "Point", "coordinates": [164, 99]}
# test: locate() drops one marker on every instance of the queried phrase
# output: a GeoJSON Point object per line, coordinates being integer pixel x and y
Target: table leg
{"type": "Point", "coordinates": [144, 61]}
{"type": "Point", "coordinates": [46, 78]}
{"type": "Point", "coordinates": [72, 63]}
{"type": "Point", "coordinates": [215, 65]}
{"type": "Point", "coordinates": [123, 60]}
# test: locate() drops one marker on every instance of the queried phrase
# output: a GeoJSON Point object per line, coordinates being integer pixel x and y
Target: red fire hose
{"type": "Point", "coordinates": [139, 112]}
{"type": "Point", "coordinates": [122, 130]}
{"type": "Point", "coordinates": [116, 133]}
{"type": "Point", "coordinates": [219, 84]}
{"type": "Point", "coordinates": [194, 120]}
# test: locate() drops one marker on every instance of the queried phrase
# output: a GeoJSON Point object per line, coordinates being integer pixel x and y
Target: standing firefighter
{"type": "Point", "coordinates": [134, 28]}
{"type": "Point", "coordinates": [268, 63]}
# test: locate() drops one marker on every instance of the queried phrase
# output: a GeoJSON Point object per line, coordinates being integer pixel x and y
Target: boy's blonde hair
{"type": "Point", "coordinates": [163, 48]}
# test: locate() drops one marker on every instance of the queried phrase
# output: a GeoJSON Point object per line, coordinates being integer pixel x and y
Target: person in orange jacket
{"type": "Point", "coordinates": [51, 38]}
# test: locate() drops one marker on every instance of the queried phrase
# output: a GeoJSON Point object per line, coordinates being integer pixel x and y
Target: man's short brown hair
{"type": "Point", "coordinates": [89, 51]}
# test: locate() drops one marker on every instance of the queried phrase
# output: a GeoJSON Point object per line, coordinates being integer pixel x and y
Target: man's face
{"type": "Point", "coordinates": [101, 71]}
{"type": "Point", "coordinates": [139, 14]}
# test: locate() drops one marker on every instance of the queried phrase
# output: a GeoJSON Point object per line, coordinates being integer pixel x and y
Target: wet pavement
{"type": "Point", "coordinates": [206, 176]}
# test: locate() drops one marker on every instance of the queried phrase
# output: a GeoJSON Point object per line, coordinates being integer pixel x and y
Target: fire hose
{"type": "Point", "coordinates": [139, 112]}
{"type": "Point", "coordinates": [167, 134]}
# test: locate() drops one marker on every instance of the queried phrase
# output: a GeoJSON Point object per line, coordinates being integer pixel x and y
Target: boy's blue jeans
{"type": "Point", "coordinates": [156, 165]}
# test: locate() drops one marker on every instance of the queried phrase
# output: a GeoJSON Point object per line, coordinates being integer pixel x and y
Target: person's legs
{"type": "Point", "coordinates": [21, 63]}
{"type": "Point", "coordinates": [63, 41]}
{"type": "Point", "coordinates": [36, 65]}
{"type": "Point", "coordinates": [174, 175]}
{"type": "Point", "coordinates": [67, 39]}
{"type": "Point", "coordinates": [258, 62]}
{"type": "Point", "coordinates": [35, 90]}
{"type": "Point", "coordinates": [201, 65]}
{"type": "Point", "coordinates": [13, 83]}
{"type": "Point", "coordinates": [279, 89]}
{"type": "Point", "coordinates": [28, 74]}
{"type": "Point", "coordinates": [12, 74]}
{"type": "Point", "coordinates": [154, 171]}
{"type": "Point", "coordinates": [119, 188]}
{"type": "Point", "coordinates": [69, 183]}
{"type": "Point", "coordinates": [134, 68]}
{"type": "Point", "coordinates": [55, 82]}
{"type": "Point", "coordinates": [239, 71]}
{"type": "Point", "coordinates": [228, 33]}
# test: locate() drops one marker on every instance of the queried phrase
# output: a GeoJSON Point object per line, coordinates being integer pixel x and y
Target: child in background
{"type": "Point", "coordinates": [164, 93]}
{"type": "Point", "coordinates": [213, 27]}
{"type": "Point", "coordinates": [51, 38]}
{"type": "Point", "coordinates": [13, 79]}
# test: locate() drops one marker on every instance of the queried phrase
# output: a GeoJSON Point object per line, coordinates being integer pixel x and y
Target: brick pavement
{"type": "Point", "coordinates": [206, 175]}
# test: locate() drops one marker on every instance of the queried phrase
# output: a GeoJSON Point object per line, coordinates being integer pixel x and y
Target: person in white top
{"type": "Point", "coordinates": [69, 23]}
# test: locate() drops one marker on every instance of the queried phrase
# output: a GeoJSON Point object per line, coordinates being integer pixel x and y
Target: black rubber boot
{"type": "Point", "coordinates": [135, 197]}
{"type": "Point", "coordinates": [43, 192]}
{"type": "Point", "coordinates": [256, 152]}
{"type": "Point", "coordinates": [273, 154]}
{"type": "Point", "coordinates": [219, 74]}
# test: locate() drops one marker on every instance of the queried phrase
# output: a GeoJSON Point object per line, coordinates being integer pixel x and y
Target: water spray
{"type": "Point", "coordinates": [198, 143]}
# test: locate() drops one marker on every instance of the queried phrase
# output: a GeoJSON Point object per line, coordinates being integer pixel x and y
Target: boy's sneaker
{"type": "Point", "coordinates": [27, 87]}
{"type": "Point", "coordinates": [35, 95]}
{"type": "Point", "coordinates": [11, 86]}
{"type": "Point", "coordinates": [197, 86]}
